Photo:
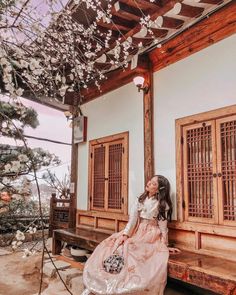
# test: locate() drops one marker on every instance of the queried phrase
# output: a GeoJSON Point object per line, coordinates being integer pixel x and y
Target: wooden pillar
{"type": "Point", "coordinates": [148, 126]}
{"type": "Point", "coordinates": [52, 205]}
{"type": "Point", "coordinates": [74, 175]}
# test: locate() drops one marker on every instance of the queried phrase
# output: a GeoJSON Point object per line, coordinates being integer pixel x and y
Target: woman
{"type": "Point", "coordinates": [143, 244]}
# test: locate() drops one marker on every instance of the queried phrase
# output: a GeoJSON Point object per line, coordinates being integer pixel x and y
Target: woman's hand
{"type": "Point", "coordinates": [121, 239]}
{"type": "Point", "coordinates": [174, 250]}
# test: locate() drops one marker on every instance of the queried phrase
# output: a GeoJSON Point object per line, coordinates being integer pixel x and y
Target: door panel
{"type": "Point", "coordinates": [226, 160]}
{"type": "Point", "coordinates": [200, 184]}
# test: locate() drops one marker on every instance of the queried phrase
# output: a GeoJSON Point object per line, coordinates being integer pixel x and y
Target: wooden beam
{"type": "Point", "coordinates": [169, 4]}
{"type": "Point", "coordinates": [116, 79]}
{"type": "Point", "coordinates": [145, 41]}
{"type": "Point", "coordinates": [74, 173]}
{"type": "Point", "coordinates": [148, 127]}
{"type": "Point", "coordinates": [131, 50]}
{"type": "Point", "coordinates": [187, 10]}
{"type": "Point", "coordinates": [105, 66]}
{"type": "Point", "coordinates": [218, 26]}
{"type": "Point", "coordinates": [212, 2]}
{"type": "Point", "coordinates": [104, 31]}
{"type": "Point", "coordinates": [118, 24]}
{"type": "Point", "coordinates": [159, 33]}
{"type": "Point", "coordinates": [169, 22]}
{"type": "Point", "coordinates": [125, 11]}
{"type": "Point", "coordinates": [144, 5]}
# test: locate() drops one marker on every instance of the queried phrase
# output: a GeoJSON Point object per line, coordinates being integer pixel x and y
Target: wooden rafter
{"type": "Point", "coordinates": [117, 79]}
{"type": "Point", "coordinates": [168, 17]}
{"type": "Point", "coordinates": [169, 22]}
{"type": "Point", "coordinates": [127, 12]}
{"type": "Point", "coordinates": [154, 15]}
{"type": "Point", "coordinates": [211, 30]}
{"type": "Point", "coordinates": [118, 24]}
{"type": "Point", "coordinates": [188, 10]}
{"type": "Point", "coordinates": [212, 2]}
{"type": "Point", "coordinates": [144, 5]}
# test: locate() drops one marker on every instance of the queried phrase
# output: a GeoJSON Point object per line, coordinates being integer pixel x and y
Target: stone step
{"type": "Point", "coordinates": [4, 252]}
{"type": "Point", "coordinates": [49, 269]}
{"type": "Point", "coordinates": [68, 274]}
{"type": "Point", "coordinates": [76, 285]}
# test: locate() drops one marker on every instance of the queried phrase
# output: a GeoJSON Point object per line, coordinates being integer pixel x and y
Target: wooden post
{"type": "Point", "coordinates": [148, 126]}
{"type": "Point", "coordinates": [52, 205]}
{"type": "Point", "coordinates": [74, 175]}
{"type": "Point", "coordinates": [197, 240]}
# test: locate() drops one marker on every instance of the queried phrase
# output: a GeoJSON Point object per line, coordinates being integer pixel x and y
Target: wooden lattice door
{"type": "Point", "coordinates": [226, 161]}
{"type": "Point", "coordinates": [98, 178]}
{"type": "Point", "coordinates": [200, 182]}
{"type": "Point", "coordinates": [115, 198]}
{"type": "Point", "coordinates": [108, 175]}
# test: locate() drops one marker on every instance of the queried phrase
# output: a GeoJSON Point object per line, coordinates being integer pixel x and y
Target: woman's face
{"type": "Point", "coordinates": [152, 186]}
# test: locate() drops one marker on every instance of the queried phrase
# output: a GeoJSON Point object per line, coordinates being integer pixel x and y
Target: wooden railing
{"type": "Point", "coordinates": [59, 213]}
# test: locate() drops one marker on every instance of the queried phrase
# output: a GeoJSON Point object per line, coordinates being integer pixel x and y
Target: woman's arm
{"type": "Point", "coordinates": [133, 218]}
{"type": "Point", "coordinates": [164, 236]}
{"type": "Point", "coordinates": [164, 231]}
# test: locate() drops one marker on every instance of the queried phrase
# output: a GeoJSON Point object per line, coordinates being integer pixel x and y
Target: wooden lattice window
{"type": "Point", "coordinates": [99, 176]}
{"type": "Point", "coordinates": [226, 155]}
{"type": "Point", "coordinates": [115, 176]}
{"type": "Point", "coordinates": [108, 173]}
{"type": "Point", "coordinates": [209, 171]}
{"type": "Point", "coordinates": [199, 159]}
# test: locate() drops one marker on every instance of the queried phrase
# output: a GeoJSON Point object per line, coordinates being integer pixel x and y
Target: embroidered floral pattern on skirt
{"type": "Point", "coordinates": [145, 264]}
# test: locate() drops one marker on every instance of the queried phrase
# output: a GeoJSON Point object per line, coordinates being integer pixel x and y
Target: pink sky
{"type": "Point", "coordinates": [40, 11]}
{"type": "Point", "coordinates": [54, 126]}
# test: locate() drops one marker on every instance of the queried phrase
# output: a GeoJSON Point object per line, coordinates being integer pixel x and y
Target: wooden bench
{"type": "Point", "coordinates": [210, 273]}
{"type": "Point", "coordinates": [87, 239]}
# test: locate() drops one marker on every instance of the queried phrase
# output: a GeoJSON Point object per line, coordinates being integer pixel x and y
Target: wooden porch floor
{"type": "Point", "coordinates": [215, 274]}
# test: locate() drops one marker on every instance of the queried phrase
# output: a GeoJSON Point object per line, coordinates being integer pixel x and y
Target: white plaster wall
{"type": "Point", "coordinates": [201, 82]}
{"type": "Point", "coordinates": [118, 111]}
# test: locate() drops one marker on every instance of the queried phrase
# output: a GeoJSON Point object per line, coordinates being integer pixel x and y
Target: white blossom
{"type": "Point", "coordinates": [23, 158]}
{"type": "Point", "coordinates": [20, 236]}
{"type": "Point", "coordinates": [7, 168]}
{"type": "Point", "coordinates": [15, 166]}
{"type": "Point", "coordinates": [19, 91]}
{"type": "Point", "coordinates": [32, 230]}
{"type": "Point", "coordinates": [59, 44]}
{"type": "Point", "coordinates": [28, 253]}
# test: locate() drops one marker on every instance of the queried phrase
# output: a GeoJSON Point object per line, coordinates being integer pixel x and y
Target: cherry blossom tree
{"type": "Point", "coordinates": [19, 161]}
{"type": "Point", "coordinates": [49, 53]}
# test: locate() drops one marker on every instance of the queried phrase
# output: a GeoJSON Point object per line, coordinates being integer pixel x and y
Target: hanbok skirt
{"type": "Point", "coordinates": [145, 264]}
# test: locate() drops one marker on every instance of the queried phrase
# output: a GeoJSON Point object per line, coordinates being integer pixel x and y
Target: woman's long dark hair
{"type": "Point", "coordinates": [163, 196]}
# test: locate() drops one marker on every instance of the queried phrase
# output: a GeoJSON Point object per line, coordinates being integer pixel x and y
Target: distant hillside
{"type": "Point", "coordinates": [45, 192]}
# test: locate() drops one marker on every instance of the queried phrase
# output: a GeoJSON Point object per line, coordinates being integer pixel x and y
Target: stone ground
{"type": "Point", "coordinates": [21, 276]}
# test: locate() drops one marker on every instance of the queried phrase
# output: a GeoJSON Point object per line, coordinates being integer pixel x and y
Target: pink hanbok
{"type": "Point", "coordinates": [145, 255]}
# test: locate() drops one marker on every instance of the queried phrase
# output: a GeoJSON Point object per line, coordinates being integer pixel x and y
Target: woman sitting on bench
{"type": "Point", "coordinates": [141, 248]}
